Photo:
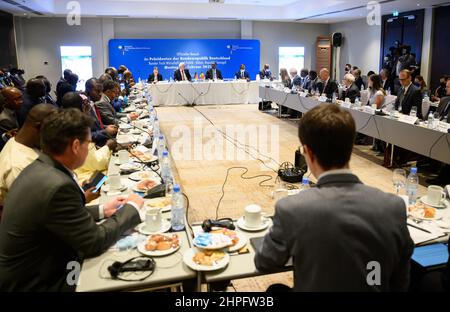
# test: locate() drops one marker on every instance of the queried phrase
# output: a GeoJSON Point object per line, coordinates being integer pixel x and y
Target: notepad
{"type": "Point", "coordinates": [431, 255]}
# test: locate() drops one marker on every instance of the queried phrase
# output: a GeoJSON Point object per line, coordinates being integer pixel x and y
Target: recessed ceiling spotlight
{"type": "Point", "coordinates": [418, 4]}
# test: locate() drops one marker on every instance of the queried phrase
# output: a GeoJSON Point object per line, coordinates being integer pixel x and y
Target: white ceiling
{"type": "Point", "coordinates": [308, 11]}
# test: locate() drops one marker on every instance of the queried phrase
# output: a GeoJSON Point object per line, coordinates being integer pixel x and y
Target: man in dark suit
{"type": "Point", "coordinates": [213, 73]}
{"type": "Point", "coordinates": [265, 72]}
{"type": "Point", "coordinates": [155, 76]}
{"type": "Point", "coordinates": [12, 102]}
{"type": "Point", "coordinates": [242, 73]}
{"type": "Point", "coordinates": [409, 95]}
{"type": "Point", "coordinates": [34, 94]}
{"type": "Point", "coordinates": [351, 90]}
{"type": "Point", "coordinates": [341, 234]}
{"type": "Point", "coordinates": [444, 105]}
{"type": "Point", "coordinates": [107, 112]}
{"type": "Point", "coordinates": [182, 74]}
{"type": "Point", "coordinates": [42, 233]}
{"type": "Point", "coordinates": [326, 85]}
{"type": "Point", "coordinates": [386, 82]}
{"type": "Point", "coordinates": [100, 133]}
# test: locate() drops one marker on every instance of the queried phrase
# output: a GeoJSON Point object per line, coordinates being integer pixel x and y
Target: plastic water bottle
{"type": "Point", "coordinates": [177, 218]}
{"type": "Point", "coordinates": [412, 183]}
{"type": "Point", "coordinates": [166, 172]}
{"type": "Point", "coordinates": [334, 99]}
{"type": "Point", "coordinates": [430, 120]}
{"type": "Point", "coordinates": [161, 146]}
{"type": "Point", "coordinates": [156, 128]}
{"type": "Point", "coordinates": [305, 184]}
{"type": "Point", "coordinates": [357, 103]}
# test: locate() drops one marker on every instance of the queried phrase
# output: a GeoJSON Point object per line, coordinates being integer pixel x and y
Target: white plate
{"type": "Point", "coordinates": [154, 200]}
{"type": "Point", "coordinates": [147, 158]}
{"type": "Point", "coordinates": [264, 224]}
{"type": "Point", "coordinates": [190, 253]}
{"type": "Point", "coordinates": [164, 228]}
{"type": "Point", "coordinates": [444, 203]}
{"type": "Point", "coordinates": [136, 189]}
{"type": "Point", "coordinates": [156, 253]}
{"type": "Point", "coordinates": [106, 189]}
{"type": "Point", "coordinates": [225, 243]}
{"type": "Point", "coordinates": [130, 166]}
{"type": "Point", "coordinates": [125, 138]}
{"type": "Point", "coordinates": [418, 215]}
{"type": "Point", "coordinates": [240, 244]}
{"type": "Point", "coordinates": [125, 126]}
{"type": "Point", "coordinates": [138, 176]}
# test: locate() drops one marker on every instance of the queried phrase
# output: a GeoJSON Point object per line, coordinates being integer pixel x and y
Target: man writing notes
{"type": "Point", "coordinates": [242, 73]}
{"type": "Point", "coordinates": [155, 76]}
{"type": "Point", "coordinates": [182, 74]}
{"type": "Point", "coordinates": [41, 233]}
{"type": "Point", "coordinates": [213, 73]}
{"type": "Point", "coordinates": [342, 234]}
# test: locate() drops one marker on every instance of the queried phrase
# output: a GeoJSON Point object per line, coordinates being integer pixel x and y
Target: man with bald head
{"type": "Point", "coordinates": [326, 85]}
{"type": "Point", "coordinates": [12, 102]}
{"type": "Point", "coordinates": [22, 150]}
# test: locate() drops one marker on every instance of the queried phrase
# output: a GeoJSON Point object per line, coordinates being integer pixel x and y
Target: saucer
{"type": "Point", "coordinates": [122, 188]}
{"type": "Point", "coordinates": [264, 224]}
{"type": "Point", "coordinates": [164, 228]}
{"type": "Point", "coordinates": [442, 205]}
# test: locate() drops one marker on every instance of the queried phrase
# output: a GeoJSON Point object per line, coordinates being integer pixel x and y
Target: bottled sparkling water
{"type": "Point", "coordinates": [166, 172]}
{"type": "Point", "coordinates": [161, 146]}
{"type": "Point", "coordinates": [177, 218]}
{"type": "Point", "coordinates": [430, 120]}
{"type": "Point", "coordinates": [412, 184]}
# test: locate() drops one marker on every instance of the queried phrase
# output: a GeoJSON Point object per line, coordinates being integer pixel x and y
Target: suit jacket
{"type": "Point", "coordinates": [107, 112]}
{"type": "Point", "coordinates": [352, 93]}
{"type": "Point", "coordinates": [310, 84]}
{"type": "Point", "coordinates": [209, 74]}
{"type": "Point", "coordinates": [297, 81]}
{"type": "Point", "coordinates": [413, 97]}
{"type": "Point", "coordinates": [388, 85]}
{"type": "Point", "coordinates": [444, 108]}
{"type": "Point", "coordinates": [333, 231]}
{"type": "Point", "coordinates": [151, 77]}
{"type": "Point", "coordinates": [8, 120]}
{"type": "Point", "coordinates": [42, 232]}
{"type": "Point", "coordinates": [359, 82]}
{"type": "Point", "coordinates": [28, 104]}
{"type": "Point", "coordinates": [330, 88]}
{"type": "Point", "coordinates": [177, 75]}
{"type": "Point", "coordinates": [99, 135]}
{"type": "Point", "coordinates": [238, 75]}
{"type": "Point", "coordinates": [265, 74]}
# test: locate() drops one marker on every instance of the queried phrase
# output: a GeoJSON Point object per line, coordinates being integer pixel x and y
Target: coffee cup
{"type": "Point", "coordinates": [435, 195]}
{"type": "Point", "coordinates": [252, 216]}
{"type": "Point", "coordinates": [123, 156]}
{"type": "Point", "coordinates": [153, 220]}
{"type": "Point", "coordinates": [114, 181]}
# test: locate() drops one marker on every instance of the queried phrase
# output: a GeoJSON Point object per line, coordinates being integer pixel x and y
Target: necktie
{"type": "Point", "coordinates": [183, 76]}
{"type": "Point", "coordinates": [99, 118]}
{"type": "Point", "coordinates": [242, 74]}
{"type": "Point", "coordinates": [214, 74]}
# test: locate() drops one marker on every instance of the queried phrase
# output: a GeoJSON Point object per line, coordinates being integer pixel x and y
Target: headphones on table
{"type": "Point", "coordinates": [227, 223]}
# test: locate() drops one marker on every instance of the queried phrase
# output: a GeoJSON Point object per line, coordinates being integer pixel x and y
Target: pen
{"type": "Point", "coordinates": [419, 228]}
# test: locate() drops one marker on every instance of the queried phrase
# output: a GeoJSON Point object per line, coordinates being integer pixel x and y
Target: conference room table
{"type": "Point", "coordinates": [431, 143]}
{"type": "Point", "coordinates": [170, 271]}
{"type": "Point", "coordinates": [220, 92]}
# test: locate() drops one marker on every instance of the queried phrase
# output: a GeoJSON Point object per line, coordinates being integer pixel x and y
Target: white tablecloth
{"type": "Point", "coordinates": [204, 93]}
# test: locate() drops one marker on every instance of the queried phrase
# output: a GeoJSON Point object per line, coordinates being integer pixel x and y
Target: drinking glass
{"type": "Point", "coordinates": [413, 111]}
{"type": "Point", "coordinates": [399, 179]}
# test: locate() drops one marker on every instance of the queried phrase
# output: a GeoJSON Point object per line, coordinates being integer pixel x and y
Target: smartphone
{"type": "Point", "coordinates": [96, 180]}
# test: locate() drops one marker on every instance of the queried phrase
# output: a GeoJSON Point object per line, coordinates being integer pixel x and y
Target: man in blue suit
{"type": "Point", "coordinates": [242, 73]}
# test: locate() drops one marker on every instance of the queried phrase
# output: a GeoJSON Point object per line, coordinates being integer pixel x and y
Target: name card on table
{"type": "Point", "coordinates": [303, 94]}
{"type": "Point", "coordinates": [443, 126]}
{"type": "Point", "coordinates": [322, 98]}
{"type": "Point", "coordinates": [346, 104]}
{"type": "Point", "coordinates": [408, 119]}
{"type": "Point", "coordinates": [369, 109]}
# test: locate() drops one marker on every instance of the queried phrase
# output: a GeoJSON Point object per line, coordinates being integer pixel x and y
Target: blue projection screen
{"type": "Point", "coordinates": [141, 55]}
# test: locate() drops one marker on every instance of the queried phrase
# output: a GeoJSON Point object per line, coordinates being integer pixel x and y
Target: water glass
{"type": "Point", "coordinates": [413, 111]}
{"type": "Point", "coordinates": [399, 179]}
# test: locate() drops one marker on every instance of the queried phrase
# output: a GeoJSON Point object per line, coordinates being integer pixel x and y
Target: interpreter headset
{"type": "Point", "coordinates": [135, 264]}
